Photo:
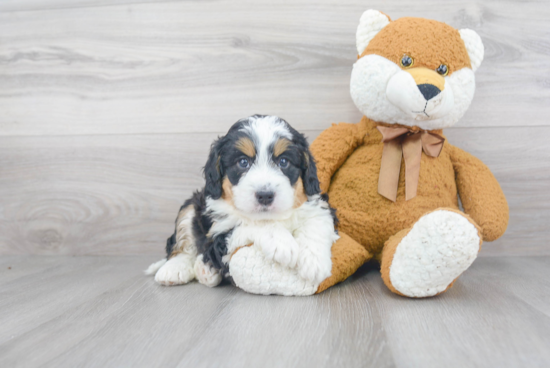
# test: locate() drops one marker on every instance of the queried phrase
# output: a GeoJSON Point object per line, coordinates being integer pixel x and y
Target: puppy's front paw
{"type": "Point", "coordinates": [177, 271]}
{"type": "Point", "coordinates": [281, 247]}
{"type": "Point", "coordinates": [314, 267]}
{"type": "Point", "coordinates": [206, 274]}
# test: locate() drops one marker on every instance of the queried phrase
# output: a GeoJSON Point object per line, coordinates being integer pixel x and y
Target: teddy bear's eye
{"type": "Point", "coordinates": [406, 61]}
{"type": "Point", "coordinates": [442, 69]}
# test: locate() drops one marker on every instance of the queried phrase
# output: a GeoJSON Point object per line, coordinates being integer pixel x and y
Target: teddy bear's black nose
{"type": "Point", "coordinates": [429, 91]}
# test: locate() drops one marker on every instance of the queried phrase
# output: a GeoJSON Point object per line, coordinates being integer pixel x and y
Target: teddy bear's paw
{"type": "Point", "coordinates": [314, 267]}
{"type": "Point", "coordinates": [254, 273]}
{"type": "Point", "coordinates": [439, 248]}
{"type": "Point", "coordinates": [206, 274]}
{"type": "Point", "coordinates": [176, 271]}
{"type": "Point", "coordinates": [281, 247]}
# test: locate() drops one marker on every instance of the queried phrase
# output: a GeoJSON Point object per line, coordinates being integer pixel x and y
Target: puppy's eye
{"type": "Point", "coordinates": [243, 163]}
{"type": "Point", "coordinates": [283, 163]}
{"type": "Point", "coordinates": [442, 69]}
{"type": "Point", "coordinates": [407, 61]}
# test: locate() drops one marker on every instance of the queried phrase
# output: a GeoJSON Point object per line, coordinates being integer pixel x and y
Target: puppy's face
{"type": "Point", "coordinates": [262, 167]}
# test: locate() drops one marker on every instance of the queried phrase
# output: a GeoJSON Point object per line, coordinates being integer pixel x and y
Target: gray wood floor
{"type": "Point", "coordinates": [62, 311]}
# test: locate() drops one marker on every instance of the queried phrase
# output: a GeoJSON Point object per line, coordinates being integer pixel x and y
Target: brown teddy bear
{"type": "Point", "coordinates": [393, 178]}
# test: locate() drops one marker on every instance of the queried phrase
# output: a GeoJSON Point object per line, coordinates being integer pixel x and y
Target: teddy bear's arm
{"type": "Point", "coordinates": [332, 147]}
{"type": "Point", "coordinates": [480, 193]}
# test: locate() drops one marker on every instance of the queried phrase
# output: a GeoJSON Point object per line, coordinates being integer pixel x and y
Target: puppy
{"type": "Point", "coordinates": [262, 189]}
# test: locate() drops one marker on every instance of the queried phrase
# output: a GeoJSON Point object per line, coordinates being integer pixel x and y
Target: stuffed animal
{"type": "Point", "coordinates": [393, 178]}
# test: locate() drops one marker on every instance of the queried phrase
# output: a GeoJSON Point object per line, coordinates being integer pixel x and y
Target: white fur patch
{"type": "Point", "coordinates": [153, 268]}
{"type": "Point", "coordinates": [371, 22]}
{"type": "Point", "coordinates": [277, 244]}
{"type": "Point", "coordinates": [403, 92]}
{"type": "Point", "coordinates": [438, 249]}
{"type": "Point", "coordinates": [372, 79]}
{"type": "Point", "coordinates": [177, 270]}
{"type": "Point", "coordinates": [265, 129]}
{"type": "Point", "coordinates": [206, 274]}
{"type": "Point", "coordinates": [253, 274]}
{"type": "Point", "coordinates": [474, 46]}
{"type": "Point", "coordinates": [315, 238]}
{"type": "Point", "coordinates": [262, 176]}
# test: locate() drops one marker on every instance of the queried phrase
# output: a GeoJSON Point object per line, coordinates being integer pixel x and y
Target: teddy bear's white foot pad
{"type": "Point", "coordinates": [177, 270]}
{"type": "Point", "coordinates": [253, 273]}
{"type": "Point", "coordinates": [439, 247]}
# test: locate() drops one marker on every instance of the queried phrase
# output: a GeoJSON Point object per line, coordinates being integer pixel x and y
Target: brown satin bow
{"type": "Point", "coordinates": [406, 143]}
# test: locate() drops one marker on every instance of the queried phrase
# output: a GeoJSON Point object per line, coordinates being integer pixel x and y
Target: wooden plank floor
{"type": "Point", "coordinates": [63, 311]}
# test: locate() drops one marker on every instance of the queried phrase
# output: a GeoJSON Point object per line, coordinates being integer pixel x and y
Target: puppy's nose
{"type": "Point", "coordinates": [429, 91]}
{"type": "Point", "coordinates": [265, 198]}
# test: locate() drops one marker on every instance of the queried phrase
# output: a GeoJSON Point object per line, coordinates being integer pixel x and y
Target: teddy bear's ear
{"type": "Point", "coordinates": [372, 21]}
{"type": "Point", "coordinates": [474, 46]}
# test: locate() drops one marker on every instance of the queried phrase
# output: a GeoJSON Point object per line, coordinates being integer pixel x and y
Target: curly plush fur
{"type": "Point", "coordinates": [426, 242]}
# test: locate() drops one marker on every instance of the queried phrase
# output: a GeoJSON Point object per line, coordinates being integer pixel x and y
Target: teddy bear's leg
{"type": "Point", "coordinates": [252, 272]}
{"type": "Point", "coordinates": [427, 258]}
{"type": "Point", "coordinates": [347, 256]}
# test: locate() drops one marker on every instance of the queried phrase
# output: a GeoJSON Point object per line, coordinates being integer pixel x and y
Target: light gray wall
{"type": "Point", "coordinates": [107, 111]}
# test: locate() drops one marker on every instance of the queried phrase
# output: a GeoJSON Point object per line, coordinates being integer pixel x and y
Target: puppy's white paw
{"type": "Point", "coordinates": [314, 267]}
{"type": "Point", "coordinates": [281, 247]}
{"type": "Point", "coordinates": [206, 274]}
{"type": "Point", "coordinates": [176, 271]}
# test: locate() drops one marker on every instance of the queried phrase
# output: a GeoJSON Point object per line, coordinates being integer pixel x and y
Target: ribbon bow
{"type": "Point", "coordinates": [406, 143]}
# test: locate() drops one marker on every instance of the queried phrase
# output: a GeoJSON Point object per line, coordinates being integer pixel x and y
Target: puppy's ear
{"type": "Point", "coordinates": [213, 171]}
{"type": "Point", "coordinates": [309, 170]}
{"type": "Point", "coordinates": [309, 174]}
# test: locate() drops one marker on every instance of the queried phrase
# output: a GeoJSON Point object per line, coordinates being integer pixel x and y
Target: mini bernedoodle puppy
{"type": "Point", "coordinates": [261, 189]}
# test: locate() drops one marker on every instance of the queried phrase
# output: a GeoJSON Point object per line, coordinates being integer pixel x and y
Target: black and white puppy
{"type": "Point", "coordinates": [262, 189]}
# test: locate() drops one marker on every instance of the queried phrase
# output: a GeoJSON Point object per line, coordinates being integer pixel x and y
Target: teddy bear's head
{"type": "Point", "coordinates": [414, 71]}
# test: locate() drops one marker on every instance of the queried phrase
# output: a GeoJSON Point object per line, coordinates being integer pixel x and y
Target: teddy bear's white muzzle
{"type": "Point", "coordinates": [403, 92]}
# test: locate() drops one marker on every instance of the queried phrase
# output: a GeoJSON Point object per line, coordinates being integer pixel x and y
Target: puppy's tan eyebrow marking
{"type": "Point", "coordinates": [280, 146]}
{"type": "Point", "coordinates": [300, 196]}
{"type": "Point", "coordinates": [246, 146]}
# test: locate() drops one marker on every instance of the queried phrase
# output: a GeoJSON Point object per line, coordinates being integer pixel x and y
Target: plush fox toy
{"type": "Point", "coordinates": [393, 178]}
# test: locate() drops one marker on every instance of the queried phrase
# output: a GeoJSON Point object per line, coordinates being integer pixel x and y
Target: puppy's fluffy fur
{"type": "Point", "coordinates": [262, 189]}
